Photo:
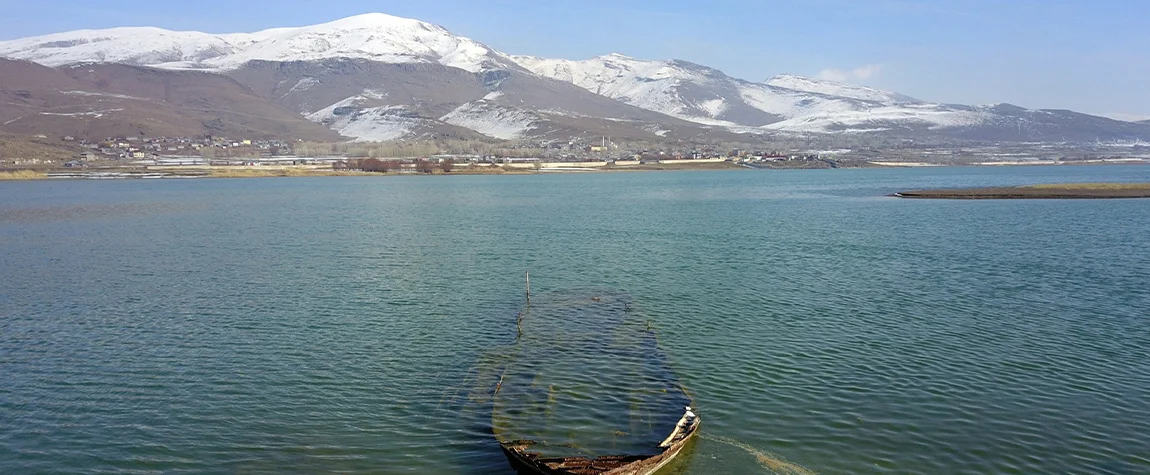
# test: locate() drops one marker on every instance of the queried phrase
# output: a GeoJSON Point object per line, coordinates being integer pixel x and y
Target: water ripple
{"type": "Point", "coordinates": [355, 325]}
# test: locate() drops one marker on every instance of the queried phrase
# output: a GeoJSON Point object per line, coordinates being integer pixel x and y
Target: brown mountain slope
{"type": "Point", "coordinates": [20, 80]}
{"type": "Point", "coordinates": [573, 111]}
{"type": "Point", "coordinates": [308, 86]}
{"type": "Point", "coordinates": [425, 91]}
{"type": "Point", "coordinates": [16, 150]}
{"type": "Point", "coordinates": [428, 94]}
{"type": "Point", "coordinates": [101, 100]}
{"type": "Point", "coordinates": [16, 75]}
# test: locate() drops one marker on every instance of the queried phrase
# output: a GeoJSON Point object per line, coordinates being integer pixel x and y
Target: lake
{"type": "Point", "coordinates": [346, 324]}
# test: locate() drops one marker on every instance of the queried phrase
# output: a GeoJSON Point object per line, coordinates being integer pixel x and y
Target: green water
{"type": "Point", "coordinates": [321, 325]}
{"type": "Point", "coordinates": [584, 377]}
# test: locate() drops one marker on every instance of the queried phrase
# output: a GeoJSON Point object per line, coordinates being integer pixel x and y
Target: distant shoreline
{"type": "Point", "coordinates": [1034, 163]}
{"type": "Point", "coordinates": [274, 171]}
{"type": "Point", "coordinates": [1045, 192]}
{"type": "Point", "coordinates": [189, 172]}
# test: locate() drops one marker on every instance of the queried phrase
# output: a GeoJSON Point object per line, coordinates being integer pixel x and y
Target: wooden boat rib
{"type": "Point", "coordinates": [531, 463]}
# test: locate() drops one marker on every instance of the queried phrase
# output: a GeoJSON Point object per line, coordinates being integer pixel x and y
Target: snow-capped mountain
{"type": "Point", "coordinates": [381, 77]}
{"type": "Point", "coordinates": [369, 77]}
{"type": "Point", "coordinates": [370, 100]}
{"type": "Point", "coordinates": [783, 103]}
{"type": "Point", "coordinates": [676, 88]}
{"type": "Point", "coordinates": [139, 46]}
{"type": "Point", "coordinates": [796, 104]}
{"type": "Point", "coordinates": [373, 36]}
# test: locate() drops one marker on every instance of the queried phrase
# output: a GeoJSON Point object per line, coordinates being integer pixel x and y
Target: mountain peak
{"type": "Point", "coordinates": [786, 76]}
{"type": "Point", "coordinates": [381, 21]}
{"type": "Point", "coordinates": [372, 36]}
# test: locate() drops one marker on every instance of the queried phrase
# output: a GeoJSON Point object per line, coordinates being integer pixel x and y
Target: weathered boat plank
{"type": "Point", "coordinates": [530, 463]}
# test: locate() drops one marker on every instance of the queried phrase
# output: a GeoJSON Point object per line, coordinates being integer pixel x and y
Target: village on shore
{"type": "Point", "coordinates": [226, 156]}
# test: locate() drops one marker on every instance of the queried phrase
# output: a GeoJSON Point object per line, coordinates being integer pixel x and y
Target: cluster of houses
{"type": "Point", "coordinates": [585, 155]}
{"type": "Point", "coordinates": [224, 150]}
{"type": "Point", "coordinates": [140, 148]}
{"type": "Point", "coordinates": [768, 157]}
{"type": "Point", "coordinates": [605, 150]}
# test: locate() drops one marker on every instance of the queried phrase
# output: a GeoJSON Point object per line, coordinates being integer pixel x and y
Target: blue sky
{"type": "Point", "coordinates": [1090, 56]}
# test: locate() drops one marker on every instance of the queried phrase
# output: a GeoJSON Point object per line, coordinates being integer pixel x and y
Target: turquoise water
{"type": "Point", "coordinates": [319, 325]}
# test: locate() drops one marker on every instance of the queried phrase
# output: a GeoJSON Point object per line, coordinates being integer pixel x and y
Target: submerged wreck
{"type": "Point", "coordinates": [517, 452]}
{"type": "Point", "coordinates": [586, 390]}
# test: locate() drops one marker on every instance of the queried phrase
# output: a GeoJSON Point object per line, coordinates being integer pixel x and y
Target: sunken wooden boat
{"type": "Point", "coordinates": [526, 462]}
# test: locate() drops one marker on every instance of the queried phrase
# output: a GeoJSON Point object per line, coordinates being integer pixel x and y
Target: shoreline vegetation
{"type": "Point", "coordinates": [272, 171]}
{"type": "Point", "coordinates": [1031, 192]}
{"type": "Point", "coordinates": [116, 171]}
{"type": "Point", "coordinates": [8, 175]}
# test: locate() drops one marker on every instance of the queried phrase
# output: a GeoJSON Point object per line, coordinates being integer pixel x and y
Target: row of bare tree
{"type": "Point", "coordinates": [384, 166]}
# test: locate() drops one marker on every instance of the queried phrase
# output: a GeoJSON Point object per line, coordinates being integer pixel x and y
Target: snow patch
{"type": "Point", "coordinates": [714, 107]}
{"type": "Point", "coordinates": [94, 114]}
{"type": "Point", "coordinates": [877, 119]}
{"type": "Point", "coordinates": [377, 124]}
{"type": "Point", "coordinates": [374, 94]}
{"type": "Point", "coordinates": [102, 94]}
{"type": "Point", "coordinates": [493, 120]}
{"type": "Point", "coordinates": [304, 84]}
{"type": "Point", "coordinates": [352, 119]}
{"type": "Point", "coordinates": [371, 124]}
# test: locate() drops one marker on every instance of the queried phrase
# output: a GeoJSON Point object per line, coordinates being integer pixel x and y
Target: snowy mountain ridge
{"type": "Point", "coordinates": [838, 89]}
{"type": "Point", "coordinates": [372, 36]}
{"type": "Point", "coordinates": [783, 103]}
{"type": "Point", "coordinates": [653, 95]}
{"type": "Point", "coordinates": [647, 84]}
{"type": "Point", "coordinates": [127, 45]}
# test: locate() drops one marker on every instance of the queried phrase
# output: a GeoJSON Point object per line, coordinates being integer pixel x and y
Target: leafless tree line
{"type": "Point", "coordinates": [384, 166]}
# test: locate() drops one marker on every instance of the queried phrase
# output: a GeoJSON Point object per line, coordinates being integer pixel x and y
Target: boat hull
{"type": "Point", "coordinates": [528, 463]}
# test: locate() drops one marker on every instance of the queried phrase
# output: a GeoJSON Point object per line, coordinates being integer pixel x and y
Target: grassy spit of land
{"type": "Point", "coordinates": [22, 175]}
{"type": "Point", "coordinates": [1045, 191]}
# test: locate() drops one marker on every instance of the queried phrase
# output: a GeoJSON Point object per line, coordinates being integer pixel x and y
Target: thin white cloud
{"type": "Point", "coordinates": [1126, 117]}
{"type": "Point", "coordinates": [867, 71]}
{"type": "Point", "coordinates": [836, 75]}
{"type": "Point", "coordinates": [859, 73]}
